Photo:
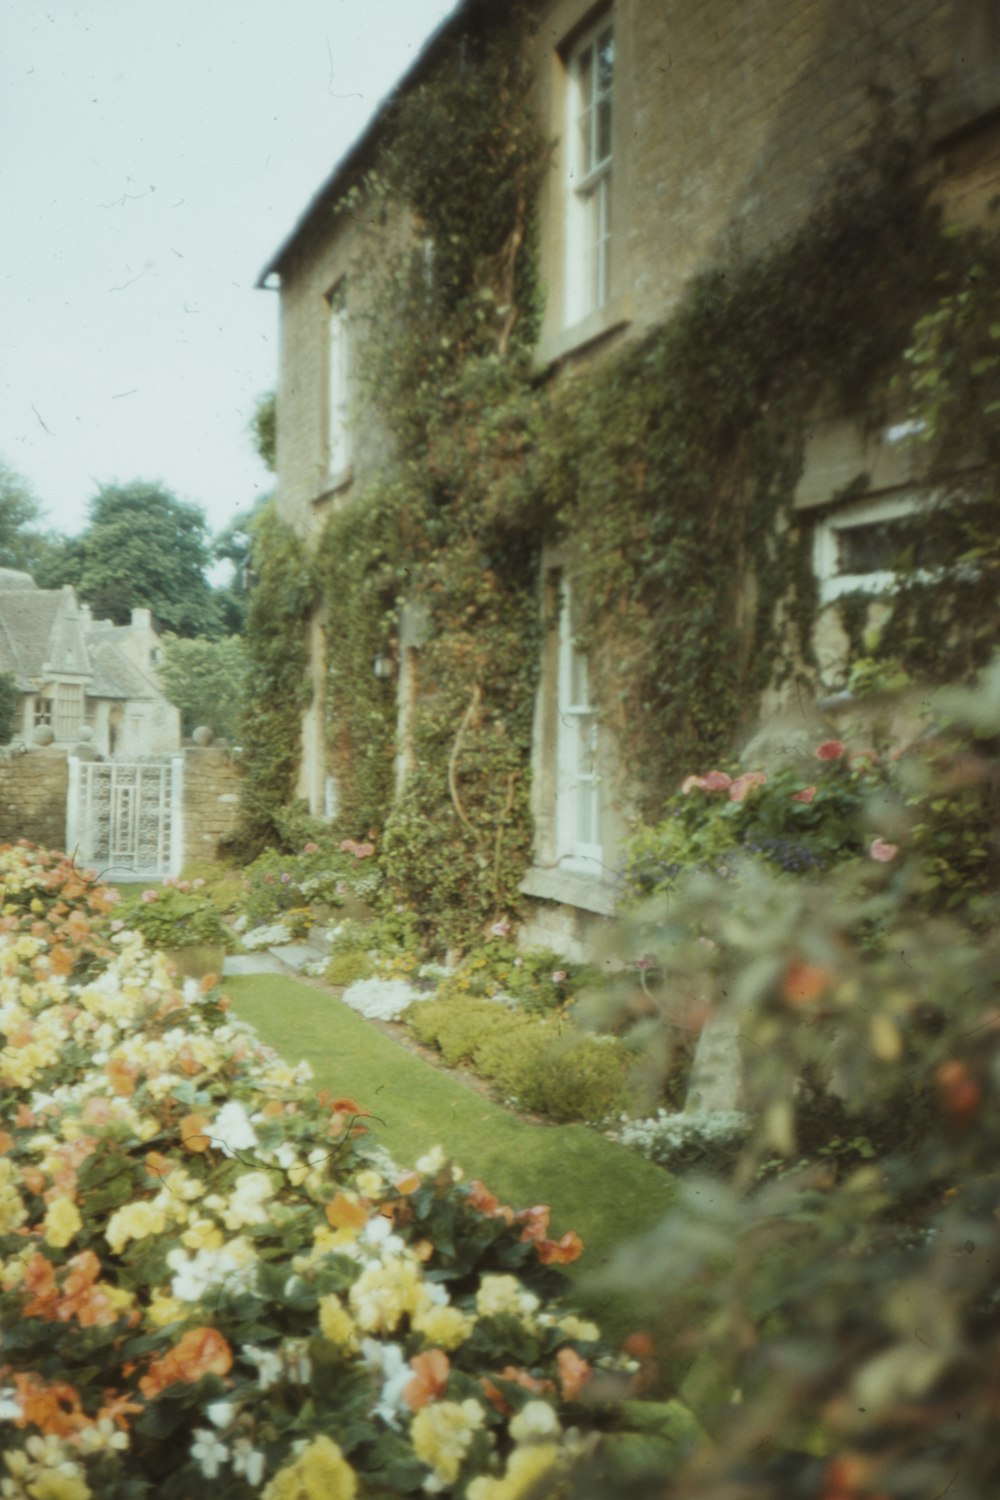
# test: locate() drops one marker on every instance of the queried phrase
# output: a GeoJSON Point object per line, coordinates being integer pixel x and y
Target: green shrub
{"type": "Point", "coordinates": [458, 1027]}
{"type": "Point", "coordinates": [578, 1078]}
{"type": "Point", "coordinates": [349, 965]}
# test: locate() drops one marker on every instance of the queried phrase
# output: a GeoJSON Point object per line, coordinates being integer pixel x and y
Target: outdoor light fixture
{"type": "Point", "coordinates": [382, 666]}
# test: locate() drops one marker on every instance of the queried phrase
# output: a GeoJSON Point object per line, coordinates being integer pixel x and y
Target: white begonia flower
{"type": "Point", "coordinates": [298, 1361]}
{"type": "Point", "coordinates": [246, 1204]}
{"type": "Point", "coordinates": [378, 1233]}
{"type": "Point", "coordinates": [387, 1362]}
{"type": "Point", "coordinates": [235, 1264]}
{"type": "Point", "coordinates": [248, 1461]}
{"type": "Point", "coordinates": [231, 1130]}
{"type": "Point", "coordinates": [220, 1413]}
{"type": "Point", "coordinates": [208, 1452]}
{"type": "Point", "coordinates": [268, 1362]}
{"type": "Point", "coordinates": [10, 1406]}
{"type": "Point", "coordinates": [101, 1437]}
{"type": "Point", "coordinates": [432, 1161]}
{"type": "Point", "coordinates": [535, 1422]}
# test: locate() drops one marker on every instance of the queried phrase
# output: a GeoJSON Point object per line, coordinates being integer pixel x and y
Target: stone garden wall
{"type": "Point", "coordinates": [34, 785]}
{"type": "Point", "coordinates": [33, 797]}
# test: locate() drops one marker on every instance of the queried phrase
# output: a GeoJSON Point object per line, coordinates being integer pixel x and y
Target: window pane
{"type": "Point", "coordinates": [603, 145]}
{"type": "Point", "coordinates": [605, 60]}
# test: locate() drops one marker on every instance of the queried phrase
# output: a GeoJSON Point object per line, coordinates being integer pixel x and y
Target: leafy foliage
{"type": "Point", "coordinates": [22, 545]}
{"type": "Point", "coordinates": [8, 706]}
{"type": "Point", "coordinates": [143, 546]}
{"type": "Point", "coordinates": [206, 680]}
{"type": "Point", "coordinates": [278, 688]}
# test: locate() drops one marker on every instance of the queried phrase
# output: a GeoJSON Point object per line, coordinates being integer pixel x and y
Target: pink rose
{"type": "Point", "coordinates": [830, 750]}
{"type": "Point", "coordinates": [806, 795]}
{"type": "Point", "coordinates": [883, 852]}
{"type": "Point", "coordinates": [197, 883]}
{"type": "Point", "coordinates": [310, 848]}
{"type": "Point", "coordinates": [558, 976]}
{"type": "Point", "coordinates": [743, 785]}
{"type": "Point", "coordinates": [148, 896]}
{"type": "Point", "coordinates": [715, 781]}
{"type": "Point", "coordinates": [500, 929]}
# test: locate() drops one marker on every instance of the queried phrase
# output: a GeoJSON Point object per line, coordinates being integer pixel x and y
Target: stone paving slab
{"type": "Point", "coordinates": [252, 963]}
{"type": "Point", "coordinates": [295, 955]}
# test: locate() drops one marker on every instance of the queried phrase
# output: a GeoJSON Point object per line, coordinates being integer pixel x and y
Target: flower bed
{"type": "Point", "coordinates": [211, 1285]}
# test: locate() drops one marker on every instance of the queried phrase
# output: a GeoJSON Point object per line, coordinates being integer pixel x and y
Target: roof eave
{"type": "Point", "coordinates": [352, 167]}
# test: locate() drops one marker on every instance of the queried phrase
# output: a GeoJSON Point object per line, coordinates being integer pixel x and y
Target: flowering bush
{"type": "Point", "coordinates": [176, 914]}
{"type": "Point", "coordinates": [680, 1141]}
{"type": "Point", "coordinates": [210, 1284]}
{"type": "Point", "coordinates": [799, 819]}
{"type": "Point", "coordinates": [320, 875]}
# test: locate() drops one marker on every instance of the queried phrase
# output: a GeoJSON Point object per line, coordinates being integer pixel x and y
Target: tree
{"type": "Point", "coordinates": [264, 429]}
{"type": "Point", "coordinates": [206, 680]}
{"type": "Point", "coordinates": [144, 546]}
{"type": "Point", "coordinates": [8, 706]}
{"type": "Point", "coordinates": [234, 545]}
{"type": "Point", "coordinates": [21, 545]}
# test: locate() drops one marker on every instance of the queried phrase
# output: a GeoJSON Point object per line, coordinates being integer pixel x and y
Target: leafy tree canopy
{"type": "Point", "coordinates": [22, 545]}
{"type": "Point", "coordinates": [206, 680]}
{"type": "Point", "coordinates": [143, 546]}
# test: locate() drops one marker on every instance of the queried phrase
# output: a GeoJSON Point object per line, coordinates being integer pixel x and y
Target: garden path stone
{"type": "Point", "coordinates": [252, 963]}
{"type": "Point", "coordinates": [295, 955]}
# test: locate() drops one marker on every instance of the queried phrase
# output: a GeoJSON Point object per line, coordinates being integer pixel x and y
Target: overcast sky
{"type": "Point", "coordinates": [153, 155]}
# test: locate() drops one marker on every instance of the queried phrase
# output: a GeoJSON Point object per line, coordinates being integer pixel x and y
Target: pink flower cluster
{"type": "Point", "coordinates": [717, 781]}
{"type": "Point", "coordinates": [360, 851]}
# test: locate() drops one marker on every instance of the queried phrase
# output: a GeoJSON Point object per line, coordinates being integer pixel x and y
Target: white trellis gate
{"type": "Point", "coordinates": [124, 818]}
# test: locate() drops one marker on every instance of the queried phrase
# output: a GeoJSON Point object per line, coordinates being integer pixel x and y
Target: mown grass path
{"type": "Point", "coordinates": [608, 1194]}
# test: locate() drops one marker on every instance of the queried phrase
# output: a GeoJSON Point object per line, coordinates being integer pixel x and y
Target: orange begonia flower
{"type": "Point", "coordinates": [192, 1130]}
{"type": "Point", "coordinates": [574, 1372]}
{"type": "Point", "coordinates": [560, 1252]}
{"type": "Point", "coordinates": [6, 1142]}
{"type": "Point", "coordinates": [344, 1213]}
{"type": "Point", "coordinates": [535, 1221]}
{"type": "Point", "coordinates": [201, 1351]}
{"type": "Point", "coordinates": [122, 1076]}
{"type": "Point", "coordinates": [408, 1183]}
{"type": "Point", "coordinates": [118, 1408]}
{"type": "Point", "coordinates": [430, 1376]}
{"type": "Point", "coordinates": [54, 1409]}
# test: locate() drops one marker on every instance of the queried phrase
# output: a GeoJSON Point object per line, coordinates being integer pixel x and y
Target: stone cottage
{"type": "Point", "coordinates": [74, 672]}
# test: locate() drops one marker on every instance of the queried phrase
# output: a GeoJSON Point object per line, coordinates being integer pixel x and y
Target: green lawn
{"type": "Point", "coordinates": [606, 1193]}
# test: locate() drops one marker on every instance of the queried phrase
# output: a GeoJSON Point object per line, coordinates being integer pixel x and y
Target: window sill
{"type": "Point", "coordinates": [569, 889]}
{"type": "Point", "coordinates": [604, 321]}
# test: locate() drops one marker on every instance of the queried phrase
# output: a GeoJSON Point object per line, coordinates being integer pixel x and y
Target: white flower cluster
{"type": "Point", "coordinates": [381, 999]}
{"type": "Point", "coordinates": [680, 1140]}
{"type": "Point", "coordinates": [274, 935]}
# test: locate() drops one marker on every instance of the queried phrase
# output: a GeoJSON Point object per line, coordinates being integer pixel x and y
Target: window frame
{"type": "Point", "coordinates": [338, 383]}
{"type": "Point", "coordinates": [589, 184]}
{"type": "Point", "coordinates": [865, 512]}
{"type": "Point", "coordinates": [578, 790]}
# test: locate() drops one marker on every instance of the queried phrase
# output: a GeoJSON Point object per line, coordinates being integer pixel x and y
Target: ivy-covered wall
{"type": "Point", "coordinates": [665, 469]}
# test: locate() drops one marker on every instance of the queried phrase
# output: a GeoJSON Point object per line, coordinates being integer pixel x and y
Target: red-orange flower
{"type": "Point", "coordinates": [574, 1372]}
{"type": "Point", "coordinates": [535, 1221]}
{"type": "Point", "coordinates": [560, 1252]}
{"type": "Point", "coordinates": [200, 1351]}
{"type": "Point", "coordinates": [830, 750]}
{"type": "Point", "coordinates": [804, 983]}
{"type": "Point", "coordinates": [54, 1409]}
{"type": "Point", "coordinates": [343, 1213]}
{"type": "Point", "coordinates": [430, 1376]}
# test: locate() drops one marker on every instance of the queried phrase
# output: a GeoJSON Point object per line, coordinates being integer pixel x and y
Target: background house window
{"type": "Point", "coordinates": [338, 437]}
{"type": "Point", "coordinates": [43, 711]}
{"type": "Point", "coordinates": [590, 67]}
{"type": "Point", "coordinates": [578, 786]}
{"type": "Point", "coordinates": [68, 713]}
{"type": "Point", "coordinates": [866, 546]}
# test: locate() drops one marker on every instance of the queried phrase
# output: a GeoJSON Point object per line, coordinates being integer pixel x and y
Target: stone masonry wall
{"type": "Point", "coordinates": [33, 797]}
{"type": "Point", "coordinates": [211, 800]}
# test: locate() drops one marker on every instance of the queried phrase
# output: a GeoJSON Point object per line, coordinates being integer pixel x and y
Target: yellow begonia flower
{"type": "Point", "coordinates": [525, 1470]}
{"type": "Point", "coordinates": [62, 1223]}
{"type": "Point", "coordinates": [578, 1328]}
{"type": "Point", "coordinates": [370, 1183]}
{"type": "Point", "coordinates": [385, 1292]}
{"type": "Point", "coordinates": [499, 1295]}
{"type": "Point", "coordinates": [163, 1310]}
{"type": "Point", "coordinates": [445, 1327]}
{"type": "Point", "coordinates": [319, 1473]}
{"type": "Point", "coordinates": [442, 1434]}
{"type": "Point", "coordinates": [134, 1221]}
{"type": "Point", "coordinates": [203, 1234]}
{"type": "Point", "coordinates": [336, 1323]}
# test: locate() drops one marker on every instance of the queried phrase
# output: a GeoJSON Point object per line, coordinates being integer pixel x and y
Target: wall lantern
{"type": "Point", "coordinates": [382, 666]}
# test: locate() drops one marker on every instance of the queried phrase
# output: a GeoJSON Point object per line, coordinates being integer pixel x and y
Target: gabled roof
{"type": "Point", "coordinates": [28, 617]}
{"type": "Point", "coordinates": [352, 167]}
{"type": "Point", "coordinates": [114, 675]}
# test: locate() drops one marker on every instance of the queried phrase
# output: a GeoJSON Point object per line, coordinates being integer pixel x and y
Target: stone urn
{"type": "Point", "coordinates": [202, 736]}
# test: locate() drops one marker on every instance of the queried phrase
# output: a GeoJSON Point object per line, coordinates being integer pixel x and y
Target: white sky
{"type": "Point", "coordinates": [153, 155]}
